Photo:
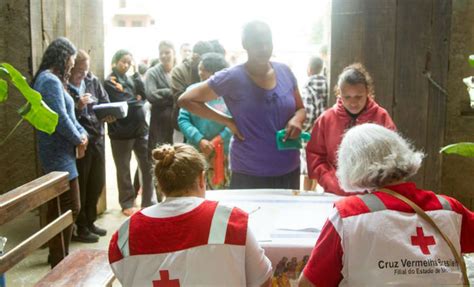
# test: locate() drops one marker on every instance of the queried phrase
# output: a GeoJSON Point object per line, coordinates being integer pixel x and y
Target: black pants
{"type": "Point", "coordinates": [161, 127]}
{"type": "Point", "coordinates": [91, 170]}
{"type": "Point", "coordinates": [287, 181]}
{"type": "Point", "coordinates": [69, 200]}
{"type": "Point", "coordinates": [122, 152]}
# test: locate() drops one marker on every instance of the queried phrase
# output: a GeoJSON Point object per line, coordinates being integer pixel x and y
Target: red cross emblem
{"type": "Point", "coordinates": [423, 241]}
{"type": "Point", "coordinates": [165, 280]}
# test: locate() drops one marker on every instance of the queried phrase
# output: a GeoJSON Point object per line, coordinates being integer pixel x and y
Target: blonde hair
{"type": "Point", "coordinates": [82, 56]}
{"type": "Point", "coordinates": [355, 74]}
{"type": "Point", "coordinates": [177, 167]}
{"type": "Point", "coordinates": [371, 156]}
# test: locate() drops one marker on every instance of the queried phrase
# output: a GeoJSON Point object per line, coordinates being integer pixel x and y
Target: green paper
{"type": "Point", "coordinates": [291, 144]}
{"type": "Point", "coordinates": [36, 112]}
{"type": "Point", "coordinates": [465, 149]}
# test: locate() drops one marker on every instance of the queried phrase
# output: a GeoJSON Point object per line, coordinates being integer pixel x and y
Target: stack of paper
{"type": "Point", "coordinates": [118, 109]}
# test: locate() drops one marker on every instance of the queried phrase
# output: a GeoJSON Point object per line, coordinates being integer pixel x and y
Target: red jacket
{"type": "Point", "coordinates": [321, 151]}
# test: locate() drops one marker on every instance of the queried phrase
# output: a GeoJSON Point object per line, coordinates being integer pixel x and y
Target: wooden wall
{"type": "Point", "coordinates": [18, 157]}
{"type": "Point", "coordinates": [27, 27]}
{"type": "Point", "coordinates": [417, 54]}
{"type": "Point", "coordinates": [457, 172]}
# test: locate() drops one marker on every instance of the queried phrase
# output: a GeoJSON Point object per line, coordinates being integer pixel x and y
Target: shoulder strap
{"type": "Point", "coordinates": [218, 230]}
{"type": "Point", "coordinates": [422, 213]}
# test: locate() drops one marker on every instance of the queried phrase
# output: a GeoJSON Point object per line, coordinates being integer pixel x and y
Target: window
{"type": "Point", "coordinates": [136, 23]}
{"type": "Point", "coordinates": [121, 23]}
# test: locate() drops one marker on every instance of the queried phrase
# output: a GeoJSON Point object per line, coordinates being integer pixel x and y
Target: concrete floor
{"type": "Point", "coordinates": [35, 266]}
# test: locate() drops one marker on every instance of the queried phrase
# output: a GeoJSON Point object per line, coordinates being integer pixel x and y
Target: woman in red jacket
{"type": "Point", "coordinates": [355, 105]}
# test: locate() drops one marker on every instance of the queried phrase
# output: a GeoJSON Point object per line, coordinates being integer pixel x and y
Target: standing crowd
{"type": "Point", "coordinates": [229, 117]}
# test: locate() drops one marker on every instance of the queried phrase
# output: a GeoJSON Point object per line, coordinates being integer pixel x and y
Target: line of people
{"type": "Point", "coordinates": [251, 101]}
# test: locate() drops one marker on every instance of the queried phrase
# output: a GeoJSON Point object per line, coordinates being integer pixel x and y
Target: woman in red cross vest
{"type": "Point", "coordinates": [379, 238]}
{"type": "Point", "coordinates": [187, 240]}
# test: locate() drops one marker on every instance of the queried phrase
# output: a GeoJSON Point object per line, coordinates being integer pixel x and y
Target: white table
{"type": "Point", "coordinates": [287, 224]}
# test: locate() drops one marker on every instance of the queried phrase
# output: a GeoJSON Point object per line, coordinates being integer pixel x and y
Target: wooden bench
{"type": "Point", "coordinates": [83, 267]}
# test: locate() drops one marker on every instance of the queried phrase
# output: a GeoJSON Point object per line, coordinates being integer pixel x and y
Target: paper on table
{"type": "Point", "coordinates": [117, 109]}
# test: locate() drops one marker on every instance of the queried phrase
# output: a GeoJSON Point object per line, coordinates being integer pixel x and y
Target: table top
{"type": "Point", "coordinates": [281, 217]}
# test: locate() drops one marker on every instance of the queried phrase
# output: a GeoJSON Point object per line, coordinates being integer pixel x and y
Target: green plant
{"type": "Point", "coordinates": [35, 111]}
{"type": "Point", "coordinates": [465, 149]}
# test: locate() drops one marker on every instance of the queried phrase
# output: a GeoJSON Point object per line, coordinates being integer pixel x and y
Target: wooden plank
{"type": "Point", "coordinates": [9, 259]}
{"type": "Point", "coordinates": [53, 19]}
{"type": "Point", "coordinates": [86, 267]}
{"type": "Point", "coordinates": [36, 34]}
{"type": "Point", "coordinates": [32, 195]}
{"type": "Point", "coordinates": [437, 70]}
{"type": "Point", "coordinates": [363, 31]}
{"type": "Point", "coordinates": [346, 38]}
{"type": "Point", "coordinates": [457, 171]}
{"type": "Point", "coordinates": [411, 89]}
{"type": "Point", "coordinates": [379, 48]}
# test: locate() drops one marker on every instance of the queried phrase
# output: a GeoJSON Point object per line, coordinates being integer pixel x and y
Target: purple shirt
{"type": "Point", "coordinates": [259, 114]}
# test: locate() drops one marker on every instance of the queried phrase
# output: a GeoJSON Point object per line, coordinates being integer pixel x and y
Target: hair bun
{"type": "Point", "coordinates": [165, 155]}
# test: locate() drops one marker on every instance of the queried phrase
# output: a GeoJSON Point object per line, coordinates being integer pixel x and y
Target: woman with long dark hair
{"type": "Point", "coordinates": [57, 151]}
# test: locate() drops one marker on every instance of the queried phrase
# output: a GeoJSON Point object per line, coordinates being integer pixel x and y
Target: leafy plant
{"type": "Point", "coordinates": [465, 149]}
{"type": "Point", "coordinates": [35, 111]}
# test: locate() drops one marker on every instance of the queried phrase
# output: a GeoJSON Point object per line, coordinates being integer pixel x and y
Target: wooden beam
{"type": "Point", "coordinates": [32, 195]}
{"type": "Point", "coordinates": [410, 110]}
{"type": "Point", "coordinates": [437, 80]}
{"type": "Point", "coordinates": [364, 31]}
{"type": "Point", "coordinates": [9, 259]}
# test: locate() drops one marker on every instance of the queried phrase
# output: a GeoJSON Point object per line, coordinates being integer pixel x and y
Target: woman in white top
{"type": "Point", "coordinates": [187, 240]}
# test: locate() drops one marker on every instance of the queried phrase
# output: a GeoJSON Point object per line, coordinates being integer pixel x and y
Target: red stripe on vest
{"type": "Point", "coordinates": [350, 206]}
{"type": "Point", "coordinates": [114, 252]}
{"type": "Point", "coordinates": [236, 233]}
{"type": "Point", "coordinates": [148, 235]}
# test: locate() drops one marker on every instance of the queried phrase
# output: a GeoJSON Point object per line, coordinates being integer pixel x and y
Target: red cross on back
{"type": "Point", "coordinates": [165, 280]}
{"type": "Point", "coordinates": [423, 241]}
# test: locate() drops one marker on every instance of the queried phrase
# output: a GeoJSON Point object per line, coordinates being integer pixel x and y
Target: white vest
{"type": "Point", "coordinates": [216, 262]}
{"type": "Point", "coordinates": [398, 248]}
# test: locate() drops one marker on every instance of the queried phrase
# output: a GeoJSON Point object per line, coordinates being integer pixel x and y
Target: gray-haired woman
{"type": "Point", "coordinates": [378, 239]}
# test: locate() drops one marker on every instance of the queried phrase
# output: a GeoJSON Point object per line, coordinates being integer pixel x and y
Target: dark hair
{"type": "Point", "coordinates": [177, 167]}
{"type": "Point", "coordinates": [166, 44]}
{"type": "Point", "coordinates": [119, 55]}
{"type": "Point", "coordinates": [217, 47]}
{"type": "Point", "coordinates": [213, 62]}
{"type": "Point", "coordinates": [154, 62]}
{"type": "Point", "coordinates": [184, 44]}
{"type": "Point", "coordinates": [316, 64]}
{"type": "Point", "coordinates": [253, 28]}
{"type": "Point", "coordinates": [56, 56]}
{"type": "Point", "coordinates": [142, 68]}
{"type": "Point", "coordinates": [202, 47]}
{"type": "Point", "coordinates": [355, 74]}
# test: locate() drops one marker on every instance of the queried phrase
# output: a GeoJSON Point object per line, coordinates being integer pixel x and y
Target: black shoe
{"type": "Point", "coordinates": [97, 230]}
{"type": "Point", "coordinates": [84, 235]}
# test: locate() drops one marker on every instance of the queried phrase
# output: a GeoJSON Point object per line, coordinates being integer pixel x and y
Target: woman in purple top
{"type": "Point", "coordinates": [263, 98]}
